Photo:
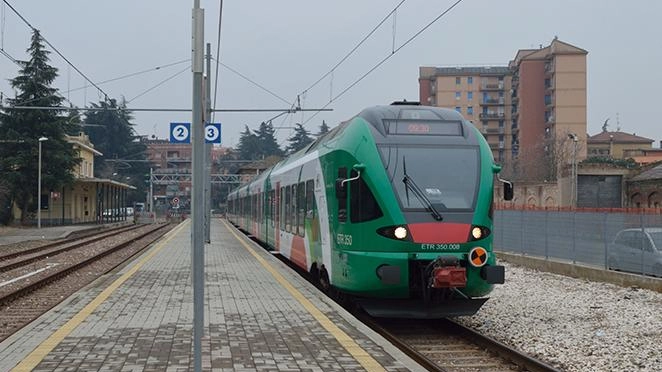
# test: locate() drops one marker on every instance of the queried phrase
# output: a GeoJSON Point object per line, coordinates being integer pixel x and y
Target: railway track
{"type": "Point", "coordinates": [24, 257]}
{"type": "Point", "coordinates": [48, 281]}
{"type": "Point", "coordinates": [440, 345]}
{"type": "Point", "coordinates": [444, 345]}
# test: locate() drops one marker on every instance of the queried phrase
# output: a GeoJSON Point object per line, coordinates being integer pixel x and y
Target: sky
{"type": "Point", "coordinates": [273, 51]}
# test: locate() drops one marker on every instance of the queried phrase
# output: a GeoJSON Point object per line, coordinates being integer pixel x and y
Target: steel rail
{"type": "Point", "coordinates": [22, 291]}
{"type": "Point", "coordinates": [79, 242]}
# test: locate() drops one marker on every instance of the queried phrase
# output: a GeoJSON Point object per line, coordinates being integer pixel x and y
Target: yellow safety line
{"type": "Point", "coordinates": [40, 352]}
{"type": "Point", "coordinates": [366, 360]}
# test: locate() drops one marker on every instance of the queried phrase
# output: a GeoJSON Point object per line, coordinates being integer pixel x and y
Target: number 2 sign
{"type": "Point", "coordinates": [181, 133]}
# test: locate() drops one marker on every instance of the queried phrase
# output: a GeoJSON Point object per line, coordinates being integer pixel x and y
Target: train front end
{"type": "Point", "coordinates": [420, 228]}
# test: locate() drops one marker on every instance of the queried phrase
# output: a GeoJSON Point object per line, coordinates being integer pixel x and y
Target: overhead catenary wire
{"type": "Point", "coordinates": [114, 79]}
{"type": "Point", "coordinates": [132, 74]}
{"type": "Point", "coordinates": [388, 57]}
{"type": "Point", "coordinates": [365, 38]}
{"type": "Point", "coordinates": [159, 84]}
{"type": "Point", "coordinates": [251, 81]}
{"type": "Point", "coordinates": [340, 62]}
{"type": "Point", "coordinates": [218, 56]}
{"type": "Point", "coordinates": [55, 49]}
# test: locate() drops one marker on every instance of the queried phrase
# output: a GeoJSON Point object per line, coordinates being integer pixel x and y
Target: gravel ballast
{"type": "Point", "coordinates": [574, 324]}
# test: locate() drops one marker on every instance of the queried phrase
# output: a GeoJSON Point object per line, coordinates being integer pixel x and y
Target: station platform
{"type": "Point", "coordinates": [12, 235]}
{"type": "Point", "coordinates": [259, 316]}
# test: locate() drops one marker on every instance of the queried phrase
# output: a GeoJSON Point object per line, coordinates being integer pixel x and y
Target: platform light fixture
{"type": "Point", "coordinates": [41, 139]}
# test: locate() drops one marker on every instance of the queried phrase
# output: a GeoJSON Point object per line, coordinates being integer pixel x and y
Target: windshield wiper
{"type": "Point", "coordinates": [410, 184]}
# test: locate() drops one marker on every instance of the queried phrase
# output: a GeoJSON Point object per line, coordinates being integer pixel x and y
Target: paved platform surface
{"type": "Point", "coordinates": [259, 316]}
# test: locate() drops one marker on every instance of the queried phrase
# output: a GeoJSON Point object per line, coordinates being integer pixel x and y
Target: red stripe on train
{"type": "Point", "coordinates": [439, 232]}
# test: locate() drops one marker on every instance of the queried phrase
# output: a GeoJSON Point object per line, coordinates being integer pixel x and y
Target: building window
{"type": "Point", "coordinates": [470, 80]}
{"type": "Point", "coordinates": [458, 80]}
{"type": "Point", "coordinates": [470, 110]}
{"type": "Point", "coordinates": [458, 95]}
{"type": "Point", "coordinates": [548, 99]}
{"type": "Point", "coordinates": [470, 96]}
{"type": "Point", "coordinates": [458, 109]}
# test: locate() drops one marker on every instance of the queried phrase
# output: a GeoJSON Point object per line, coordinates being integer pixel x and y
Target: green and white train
{"type": "Point", "coordinates": [393, 207]}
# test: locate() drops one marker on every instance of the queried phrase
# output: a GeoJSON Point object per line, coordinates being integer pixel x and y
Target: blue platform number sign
{"type": "Point", "coordinates": [213, 133]}
{"type": "Point", "coordinates": [180, 132]}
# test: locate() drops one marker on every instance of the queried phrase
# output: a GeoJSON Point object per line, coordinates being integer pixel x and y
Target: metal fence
{"type": "Point", "coordinates": [618, 240]}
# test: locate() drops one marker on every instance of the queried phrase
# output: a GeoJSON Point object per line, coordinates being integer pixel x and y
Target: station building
{"type": "Point", "coordinates": [88, 199]}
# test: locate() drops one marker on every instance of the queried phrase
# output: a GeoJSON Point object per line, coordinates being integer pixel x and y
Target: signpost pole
{"type": "Point", "coordinates": [197, 197]}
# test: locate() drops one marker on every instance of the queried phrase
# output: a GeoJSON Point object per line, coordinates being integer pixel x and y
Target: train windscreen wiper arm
{"type": "Point", "coordinates": [410, 184]}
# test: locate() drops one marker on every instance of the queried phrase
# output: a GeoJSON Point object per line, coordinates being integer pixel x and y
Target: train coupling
{"type": "Point", "coordinates": [448, 277]}
{"type": "Point", "coordinates": [446, 272]}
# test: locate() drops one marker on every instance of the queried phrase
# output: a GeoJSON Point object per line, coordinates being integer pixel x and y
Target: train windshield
{"type": "Point", "coordinates": [447, 177]}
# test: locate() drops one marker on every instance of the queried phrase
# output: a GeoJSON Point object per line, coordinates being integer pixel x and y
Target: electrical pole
{"type": "Point", "coordinates": [151, 191]}
{"type": "Point", "coordinates": [208, 147]}
{"type": "Point", "coordinates": [197, 197]}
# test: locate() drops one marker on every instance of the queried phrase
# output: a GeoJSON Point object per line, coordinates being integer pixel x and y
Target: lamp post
{"type": "Point", "coordinates": [41, 139]}
{"type": "Point", "coordinates": [573, 197]}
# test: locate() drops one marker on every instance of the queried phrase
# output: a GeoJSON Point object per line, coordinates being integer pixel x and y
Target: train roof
{"type": "Point", "coordinates": [376, 115]}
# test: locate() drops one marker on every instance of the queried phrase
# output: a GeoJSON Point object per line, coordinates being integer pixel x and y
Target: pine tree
{"type": "Point", "coordinates": [324, 129]}
{"type": "Point", "coordinates": [112, 133]}
{"type": "Point", "coordinates": [124, 155]}
{"type": "Point", "coordinates": [300, 139]}
{"type": "Point", "coordinates": [266, 140]}
{"type": "Point", "coordinates": [20, 130]}
{"type": "Point", "coordinates": [248, 145]}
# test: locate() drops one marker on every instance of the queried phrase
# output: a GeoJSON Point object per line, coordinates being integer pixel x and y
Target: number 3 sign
{"type": "Point", "coordinates": [181, 133]}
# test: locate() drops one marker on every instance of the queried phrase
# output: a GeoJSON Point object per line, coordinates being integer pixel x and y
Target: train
{"type": "Point", "coordinates": [393, 207]}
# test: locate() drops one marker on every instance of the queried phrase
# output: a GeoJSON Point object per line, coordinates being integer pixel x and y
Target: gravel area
{"type": "Point", "coordinates": [574, 324]}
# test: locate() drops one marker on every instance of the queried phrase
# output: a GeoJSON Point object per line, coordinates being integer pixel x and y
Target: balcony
{"type": "Point", "coordinates": [492, 86]}
{"type": "Point", "coordinates": [492, 116]}
{"type": "Point", "coordinates": [493, 101]}
{"type": "Point", "coordinates": [177, 159]}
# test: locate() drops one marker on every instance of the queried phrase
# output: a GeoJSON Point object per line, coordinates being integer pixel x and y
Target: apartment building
{"type": "Point", "coordinates": [480, 94]}
{"type": "Point", "coordinates": [532, 112]}
{"type": "Point", "coordinates": [549, 107]}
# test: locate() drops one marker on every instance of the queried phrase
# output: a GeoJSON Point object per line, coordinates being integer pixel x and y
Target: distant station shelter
{"type": "Point", "coordinates": [89, 199]}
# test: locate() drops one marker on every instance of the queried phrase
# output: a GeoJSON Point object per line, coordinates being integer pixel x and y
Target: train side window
{"type": "Point", "coordinates": [272, 204]}
{"type": "Point", "coordinates": [342, 196]}
{"type": "Point", "coordinates": [253, 207]}
{"type": "Point", "coordinates": [301, 206]}
{"type": "Point", "coordinates": [362, 204]}
{"type": "Point", "coordinates": [293, 210]}
{"type": "Point", "coordinates": [310, 198]}
{"type": "Point", "coordinates": [310, 209]}
{"type": "Point", "coordinates": [281, 207]}
{"type": "Point", "coordinates": [287, 208]}
{"type": "Point", "coordinates": [260, 207]}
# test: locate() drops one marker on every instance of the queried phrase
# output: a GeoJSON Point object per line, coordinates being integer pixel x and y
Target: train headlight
{"type": "Point", "coordinates": [476, 233]}
{"type": "Point", "coordinates": [400, 232]}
